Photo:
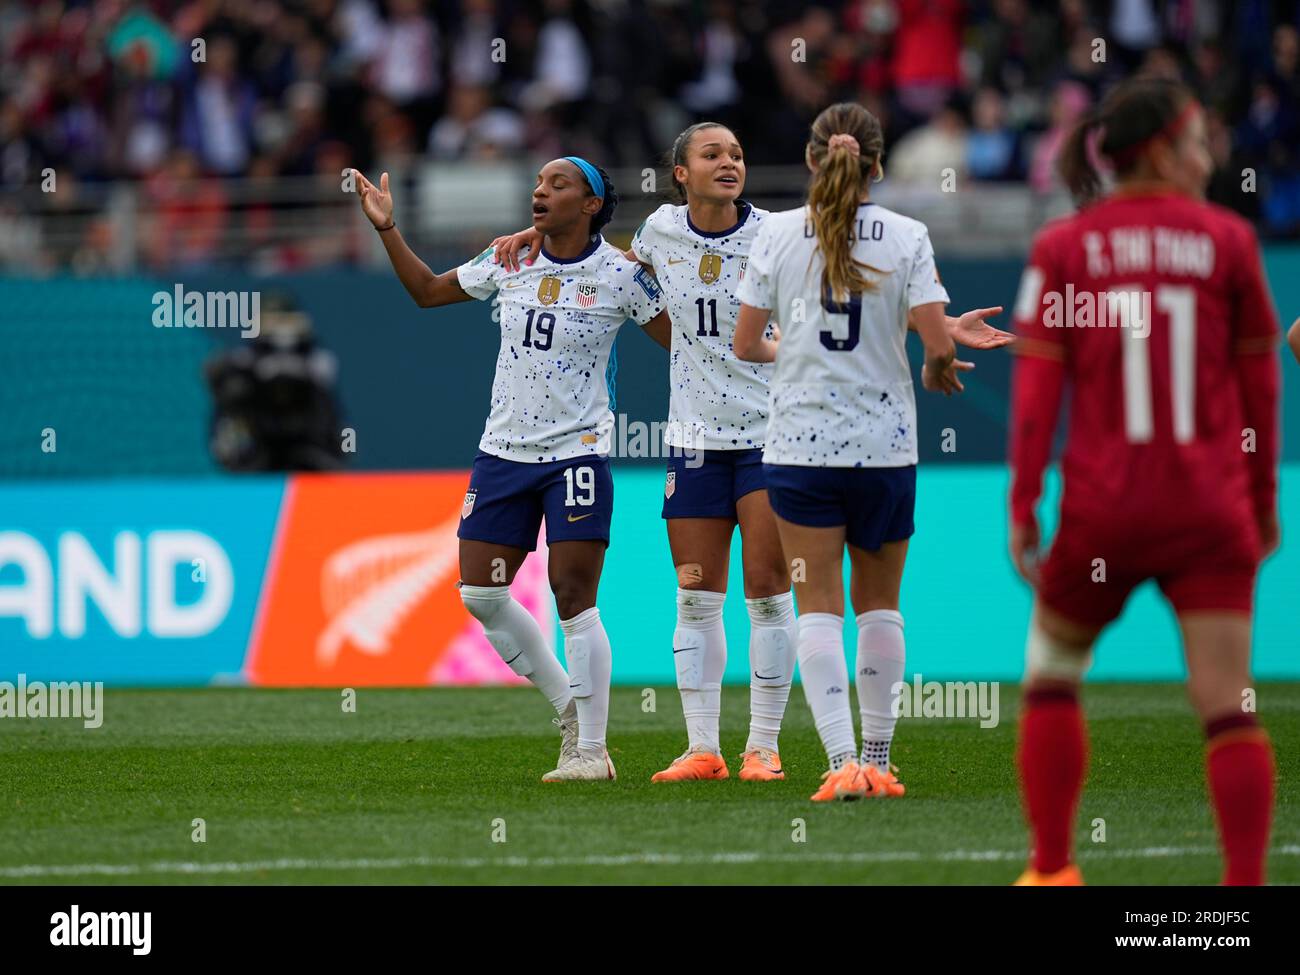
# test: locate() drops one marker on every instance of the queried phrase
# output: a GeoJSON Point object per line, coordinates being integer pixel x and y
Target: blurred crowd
{"type": "Point", "coordinates": [164, 91]}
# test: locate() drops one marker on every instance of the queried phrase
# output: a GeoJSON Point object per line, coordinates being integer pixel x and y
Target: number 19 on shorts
{"type": "Point", "coordinates": [580, 487]}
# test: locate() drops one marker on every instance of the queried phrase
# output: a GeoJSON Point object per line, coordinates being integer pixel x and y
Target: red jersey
{"type": "Point", "coordinates": [1152, 302]}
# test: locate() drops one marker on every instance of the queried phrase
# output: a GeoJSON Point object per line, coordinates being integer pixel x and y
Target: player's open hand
{"type": "Point", "coordinates": [376, 201]}
{"type": "Point", "coordinates": [509, 247]}
{"type": "Point", "coordinates": [972, 331]}
{"type": "Point", "coordinates": [1025, 542]}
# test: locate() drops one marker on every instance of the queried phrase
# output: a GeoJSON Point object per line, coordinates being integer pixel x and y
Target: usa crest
{"type": "Point", "coordinates": [587, 295]}
{"type": "Point", "coordinates": [710, 268]}
{"type": "Point", "coordinates": [670, 485]}
{"type": "Point", "coordinates": [548, 291]}
{"type": "Point", "coordinates": [468, 506]}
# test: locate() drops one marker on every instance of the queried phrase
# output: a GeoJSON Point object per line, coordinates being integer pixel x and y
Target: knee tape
{"type": "Point", "coordinates": [1048, 657]}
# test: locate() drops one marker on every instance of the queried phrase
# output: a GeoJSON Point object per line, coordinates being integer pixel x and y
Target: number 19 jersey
{"type": "Point", "coordinates": [842, 394]}
{"type": "Point", "coordinates": [559, 319]}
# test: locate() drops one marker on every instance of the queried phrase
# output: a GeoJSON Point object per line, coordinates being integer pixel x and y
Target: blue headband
{"type": "Point", "coordinates": [593, 177]}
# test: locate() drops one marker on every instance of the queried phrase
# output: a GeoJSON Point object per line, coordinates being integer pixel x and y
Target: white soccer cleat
{"type": "Point", "coordinates": [584, 768]}
{"type": "Point", "coordinates": [568, 725]}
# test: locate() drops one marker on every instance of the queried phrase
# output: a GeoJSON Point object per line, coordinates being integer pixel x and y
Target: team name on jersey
{"type": "Point", "coordinates": [1164, 250]}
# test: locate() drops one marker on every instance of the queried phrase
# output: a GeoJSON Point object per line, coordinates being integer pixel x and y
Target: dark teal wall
{"type": "Point", "coordinates": [83, 357]}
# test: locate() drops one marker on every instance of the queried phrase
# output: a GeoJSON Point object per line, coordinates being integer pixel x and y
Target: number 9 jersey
{"type": "Point", "coordinates": [842, 393]}
{"type": "Point", "coordinates": [559, 319]}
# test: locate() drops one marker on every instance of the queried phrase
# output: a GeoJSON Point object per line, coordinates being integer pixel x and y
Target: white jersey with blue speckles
{"type": "Point", "coordinates": [842, 395]}
{"type": "Point", "coordinates": [717, 402]}
{"type": "Point", "coordinates": [559, 320]}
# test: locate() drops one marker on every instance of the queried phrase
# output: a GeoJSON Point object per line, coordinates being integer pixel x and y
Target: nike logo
{"type": "Point", "coordinates": [514, 658]}
{"type": "Point", "coordinates": [516, 284]}
{"type": "Point", "coordinates": [834, 690]}
{"type": "Point", "coordinates": [761, 677]}
{"type": "Point", "coordinates": [717, 770]}
{"type": "Point", "coordinates": [573, 518]}
{"type": "Point", "coordinates": [680, 260]}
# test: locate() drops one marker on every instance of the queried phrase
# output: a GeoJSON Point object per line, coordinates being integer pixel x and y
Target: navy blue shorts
{"type": "Point", "coordinates": [875, 504]}
{"type": "Point", "coordinates": [507, 500]}
{"type": "Point", "coordinates": [708, 483]}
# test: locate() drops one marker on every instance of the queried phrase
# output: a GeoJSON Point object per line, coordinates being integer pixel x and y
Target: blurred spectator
{"type": "Point", "coordinates": [218, 119]}
{"type": "Point", "coordinates": [1069, 102]}
{"type": "Point", "coordinates": [189, 215]}
{"type": "Point", "coordinates": [992, 149]}
{"type": "Point", "coordinates": [472, 129]}
{"type": "Point", "coordinates": [922, 156]}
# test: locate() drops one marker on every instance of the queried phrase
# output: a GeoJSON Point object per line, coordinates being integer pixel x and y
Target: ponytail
{"type": "Point", "coordinates": [846, 143]}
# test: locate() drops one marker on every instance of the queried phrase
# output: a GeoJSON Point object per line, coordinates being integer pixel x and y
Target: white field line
{"type": "Point", "coordinates": [192, 868]}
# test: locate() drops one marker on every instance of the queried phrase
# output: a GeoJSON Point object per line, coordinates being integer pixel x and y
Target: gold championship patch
{"type": "Point", "coordinates": [710, 268]}
{"type": "Point", "coordinates": [548, 292]}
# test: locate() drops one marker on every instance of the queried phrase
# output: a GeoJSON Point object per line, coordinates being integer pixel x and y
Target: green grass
{"type": "Point", "coordinates": [418, 777]}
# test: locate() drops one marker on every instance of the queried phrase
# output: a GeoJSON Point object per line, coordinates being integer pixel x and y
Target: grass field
{"type": "Point", "coordinates": [410, 788]}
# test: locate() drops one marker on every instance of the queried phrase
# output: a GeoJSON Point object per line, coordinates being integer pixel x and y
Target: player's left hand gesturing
{"type": "Point", "coordinates": [945, 380]}
{"type": "Point", "coordinates": [972, 331]}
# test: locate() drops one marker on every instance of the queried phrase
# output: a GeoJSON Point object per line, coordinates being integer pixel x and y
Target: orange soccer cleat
{"type": "Point", "coordinates": [847, 784]}
{"type": "Point", "coordinates": [761, 765]}
{"type": "Point", "coordinates": [884, 785]}
{"type": "Point", "coordinates": [694, 766]}
{"type": "Point", "coordinates": [1068, 876]}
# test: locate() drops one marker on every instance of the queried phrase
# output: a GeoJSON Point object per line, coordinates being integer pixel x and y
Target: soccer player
{"type": "Point", "coordinates": [846, 278]}
{"type": "Point", "coordinates": [1151, 306]}
{"type": "Point", "coordinates": [543, 451]}
{"type": "Point", "coordinates": [699, 250]}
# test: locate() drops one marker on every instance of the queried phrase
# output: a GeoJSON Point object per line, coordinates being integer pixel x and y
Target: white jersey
{"type": "Point", "coordinates": [842, 394]}
{"type": "Point", "coordinates": [717, 402]}
{"type": "Point", "coordinates": [559, 319]}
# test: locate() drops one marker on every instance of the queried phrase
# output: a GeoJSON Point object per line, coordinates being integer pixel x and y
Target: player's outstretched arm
{"type": "Point", "coordinates": [1293, 339]}
{"type": "Point", "coordinates": [748, 342]}
{"type": "Point", "coordinates": [427, 289]}
{"type": "Point", "coordinates": [972, 331]}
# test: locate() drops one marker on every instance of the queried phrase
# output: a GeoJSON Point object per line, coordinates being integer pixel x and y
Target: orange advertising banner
{"type": "Point", "coordinates": [360, 588]}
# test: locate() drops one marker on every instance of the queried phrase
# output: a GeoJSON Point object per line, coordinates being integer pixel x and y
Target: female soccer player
{"type": "Point", "coordinates": [1170, 463]}
{"type": "Point", "coordinates": [845, 278]}
{"type": "Point", "coordinates": [541, 452]}
{"type": "Point", "coordinates": [699, 250]}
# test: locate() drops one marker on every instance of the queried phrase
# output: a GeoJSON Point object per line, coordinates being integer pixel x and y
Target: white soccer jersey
{"type": "Point", "coordinates": [559, 319]}
{"type": "Point", "coordinates": [842, 394]}
{"type": "Point", "coordinates": [717, 402]}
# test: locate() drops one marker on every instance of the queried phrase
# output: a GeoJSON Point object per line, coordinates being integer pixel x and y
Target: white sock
{"type": "Point", "coordinates": [586, 648]}
{"type": "Point", "coordinates": [825, 678]}
{"type": "Point", "coordinates": [700, 657]}
{"type": "Point", "coordinates": [773, 636]}
{"type": "Point", "coordinates": [880, 670]}
{"type": "Point", "coordinates": [515, 635]}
